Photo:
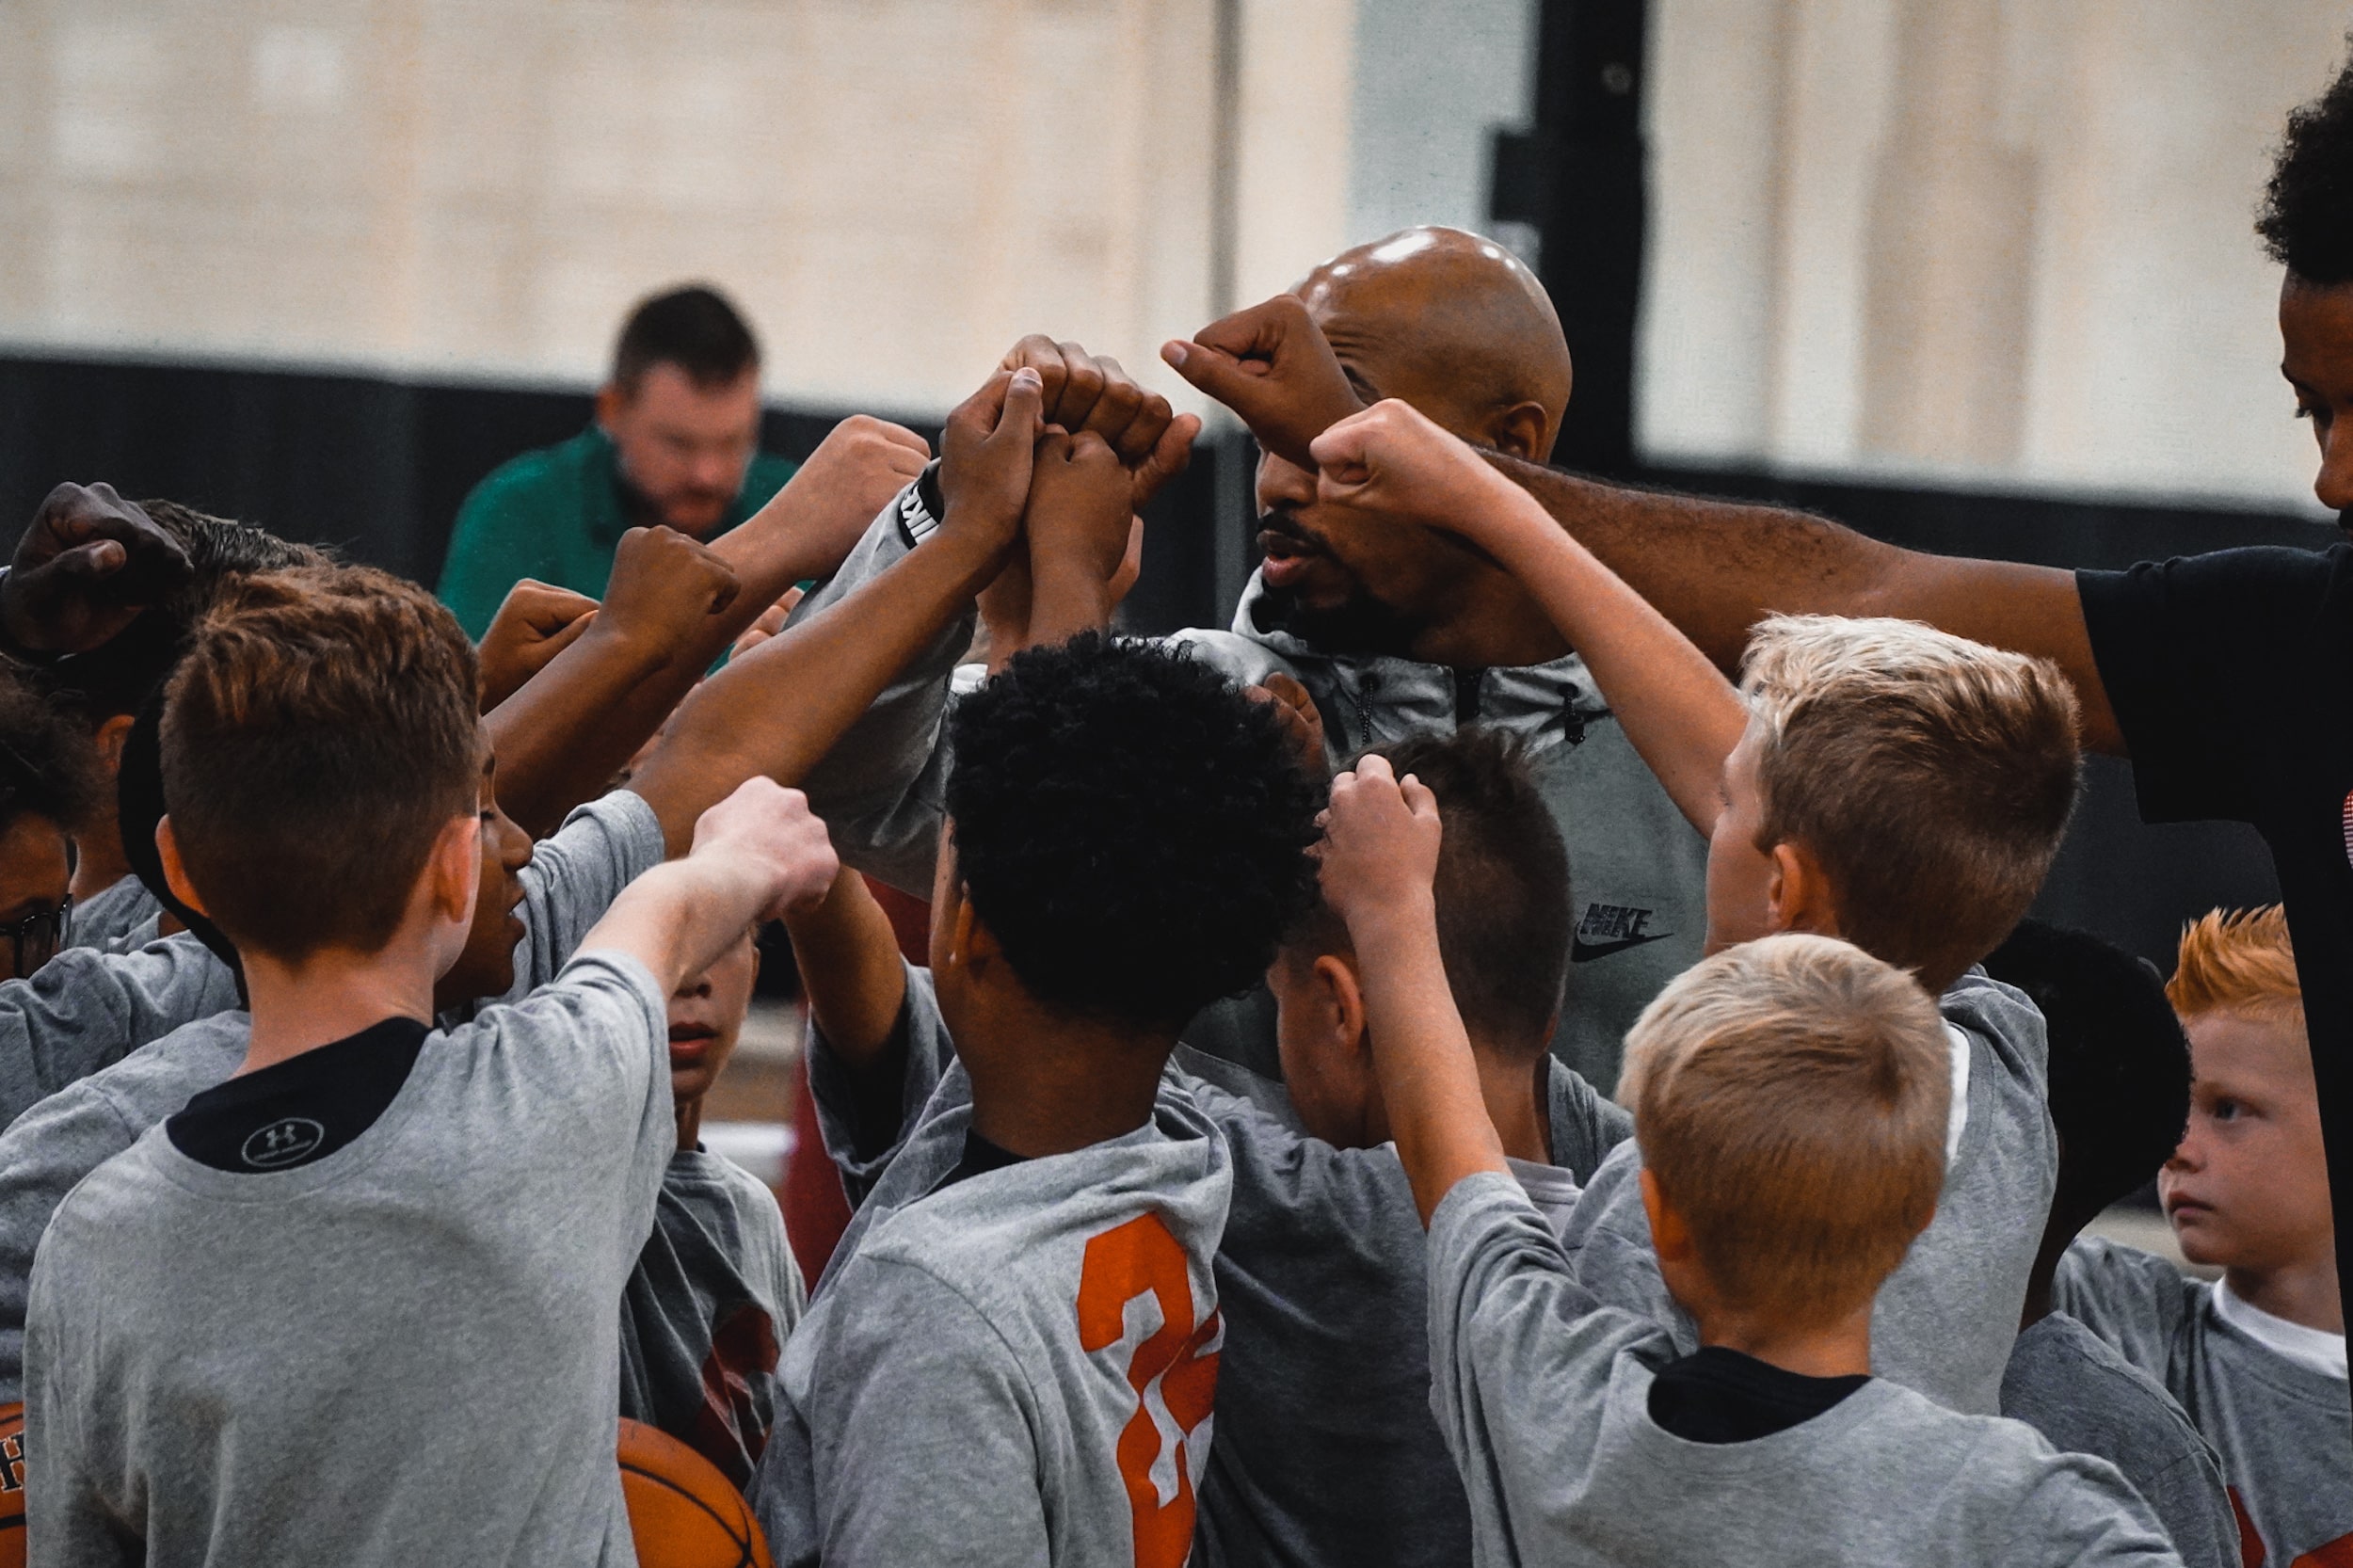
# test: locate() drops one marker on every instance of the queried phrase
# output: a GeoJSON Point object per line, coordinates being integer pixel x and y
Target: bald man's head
{"type": "Point", "coordinates": [1454, 324]}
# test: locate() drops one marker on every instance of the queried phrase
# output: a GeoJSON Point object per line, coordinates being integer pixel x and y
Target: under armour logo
{"type": "Point", "coordinates": [282, 1143]}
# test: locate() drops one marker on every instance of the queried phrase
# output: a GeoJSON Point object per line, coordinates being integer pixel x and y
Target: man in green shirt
{"type": "Point", "coordinates": [675, 441]}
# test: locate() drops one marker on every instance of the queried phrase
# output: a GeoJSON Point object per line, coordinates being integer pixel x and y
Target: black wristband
{"type": "Point", "coordinates": [921, 508]}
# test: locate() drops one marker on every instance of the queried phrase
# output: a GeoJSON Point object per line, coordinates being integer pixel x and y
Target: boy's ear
{"type": "Point", "coordinates": [1797, 894]}
{"type": "Point", "coordinates": [454, 869]}
{"type": "Point", "coordinates": [175, 873]}
{"type": "Point", "coordinates": [1343, 1000]}
{"type": "Point", "coordinates": [1669, 1238]}
{"type": "Point", "coordinates": [111, 737]}
{"type": "Point", "coordinates": [973, 942]}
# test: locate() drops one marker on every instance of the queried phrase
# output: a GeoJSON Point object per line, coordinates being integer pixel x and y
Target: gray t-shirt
{"type": "Point", "coordinates": [117, 917]}
{"type": "Point", "coordinates": [1948, 1317]}
{"type": "Point", "coordinates": [404, 1351]}
{"type": "Point", "coordinates": [1325, 1450]}
{"type": "Point", "coordinates": [707, 1310]}
{"type": "Point", "coordinates": [86, 1009]}
{"type": "Point", "coordinates": [2284, 1429]}
{"type": "Point", "coordinates": [574, 878]}
{"type": "Point", "coordinates": [574, 875]}
{"type": "Point", "coordinates": [1544, 1394]}
{"type": "Point", "coordinates": [2084, 1398]}
{"type": "Point", "coordinates": [1013, 1368]}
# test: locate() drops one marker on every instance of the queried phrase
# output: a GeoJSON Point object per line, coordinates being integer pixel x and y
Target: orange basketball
{"type": "Point", "coordinates": [683, 1512]}
{"type": "Point", "coordinates": [13, 1487]}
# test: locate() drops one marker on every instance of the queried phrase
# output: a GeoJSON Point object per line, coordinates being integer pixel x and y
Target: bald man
{"type": "Point", "coordinates": [1399, 631]}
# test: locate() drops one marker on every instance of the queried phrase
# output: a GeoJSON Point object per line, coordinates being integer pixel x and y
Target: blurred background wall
{"type": "Point", "coordinates": [1996, 242]}
{"type": "Point", "coordinates": [1971, 274]}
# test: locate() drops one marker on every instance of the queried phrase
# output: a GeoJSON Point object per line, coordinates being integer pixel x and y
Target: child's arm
{"type": "Point", "coordinates": [1380, 855]}
{"type": "Point", "coordinates": [852, 973]}
{"type": "Point", "coordinates": [1678, 711]}
{"type": "Point", "coordinates": [672, 606]}
{"type": "Point", "coordinates": [1083, 540]}
{"type": "Point", "coordinates": [568, 729]}
{"type": "Point", "coordinates": [781, 707]}
{"type": "Point", "coordinates": [756, 855]}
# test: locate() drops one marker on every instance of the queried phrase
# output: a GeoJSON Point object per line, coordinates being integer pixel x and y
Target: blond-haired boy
{"type": "Point", "coordinates": [1791, 1097]}
{"type": "Point", "coordinates": [1874, 779]}
{"type": "Point", "coordinates": [2258, 1358]}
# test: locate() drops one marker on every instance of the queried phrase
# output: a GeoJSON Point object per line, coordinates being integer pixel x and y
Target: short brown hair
{"type": "Point", "coordinates": [1932, 777]}
{"type": "Point", "coordinates": [1790, 1097]}
{"type": "Point", "coordinates": [2237, 961]}
{"type": "Point", "coordinates": [316, 739]}
{"type": "Point", "coordinates": [1501, 887]}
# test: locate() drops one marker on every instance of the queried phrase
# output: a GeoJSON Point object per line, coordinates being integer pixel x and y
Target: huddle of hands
{"type": "Point", "coordinates": [1044, 472]}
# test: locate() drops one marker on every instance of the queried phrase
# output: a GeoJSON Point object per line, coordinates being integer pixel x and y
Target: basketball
{"type": "Point", "coordinates": [681, 1510]}
{"type": "Point", "coordinates": [13, 1487]}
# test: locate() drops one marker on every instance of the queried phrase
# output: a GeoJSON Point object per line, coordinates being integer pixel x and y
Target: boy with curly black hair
{"type": "Point", "coordinates": [1128, 838]}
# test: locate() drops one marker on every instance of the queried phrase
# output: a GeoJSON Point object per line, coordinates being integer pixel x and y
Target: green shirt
{"type": "Point", "coordinates": [557, 515]}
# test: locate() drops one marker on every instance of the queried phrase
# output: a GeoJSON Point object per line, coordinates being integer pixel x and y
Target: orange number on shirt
{"type": "Point", "coordinates": [2253, 1553]}
{"type": "Point", "coordinates": [1140, 1257]}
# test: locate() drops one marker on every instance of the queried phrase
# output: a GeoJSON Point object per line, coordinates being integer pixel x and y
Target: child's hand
{"type": "Point", "coordinates": [536, 622]}
{"type": "Point", "coordinates": [1092, 392]}
{"type": "Point", "coordinates": [767, 832]}
{"type": "Point", "coordinates": [85, 568]}
{"type": "Point", "coordinates": [986, 458]}
{"type": "Point", "coordinates": [665, 585]}
{"type": "Point", "coordinates": [1300, 717]}
{"type": "Point", "coordinates": [1380, 852]}
{"type": "Point", "coordinates": [1077, 514]}
{"type": "Point", "coordinates": [862, 462]}
{"type": "Point", "coordinates": [1392, 461]}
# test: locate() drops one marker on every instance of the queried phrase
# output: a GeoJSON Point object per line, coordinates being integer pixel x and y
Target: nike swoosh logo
{"type": "Point", "coordinates": [1583, 951]}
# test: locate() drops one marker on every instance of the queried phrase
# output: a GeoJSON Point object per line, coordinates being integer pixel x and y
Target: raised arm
{"type": "Point", "coordinates": [852, 972]}
{"type": "Point", "coordinates": [672, 607]}
{"type": "Point", "coordinates": [568, 729]}
{"type": "Point", "coordinates": [1714, 568]}
{"type": "Point", "coordinates": [781, 707]}
{"type": "Point", "coordinates": [756, 856]}
{"type": "Point", "coordinates": [1681, 714]}
{"type": "Point", "coordinates": [1379, 857]}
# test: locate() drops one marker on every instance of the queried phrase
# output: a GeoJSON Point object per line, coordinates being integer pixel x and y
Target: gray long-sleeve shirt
{"type": "Point", "coordinates": [1948, 1317]}
{"type": "Point", "coordinates": [1639, 869]}
{"type": "Point", "coordinates": [1542, 1395]}
{"type": "Point", "coordinates": [404, 1351]}
{"type": "Point", "coordinates": [574, 876]}
{"type": "Point", "coordinates": [2081, 1394]}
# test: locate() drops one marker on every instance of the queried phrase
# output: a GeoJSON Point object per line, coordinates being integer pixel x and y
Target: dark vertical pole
{"type": "Point", "coordinates": [1577, 176]}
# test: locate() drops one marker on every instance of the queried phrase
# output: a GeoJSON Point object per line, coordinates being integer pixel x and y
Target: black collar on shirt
{"type": "Point", "coordinates": [303, 1109]}
{"type": "Point", "coordinates": [1722, 1396]}
{"type": "Point", "coordinates": [980, 1157]}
